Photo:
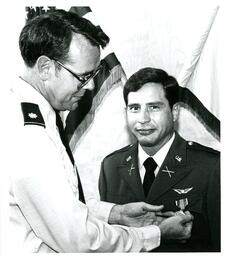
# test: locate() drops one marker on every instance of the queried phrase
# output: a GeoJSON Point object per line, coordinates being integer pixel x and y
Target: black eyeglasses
{"type": "Point", "coordinates": [84, 79]}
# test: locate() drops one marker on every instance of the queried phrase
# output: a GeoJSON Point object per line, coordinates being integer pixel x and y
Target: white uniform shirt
{"type": "Point", "coordinates": [158, 157]}
{"type": "Point", "coordinates": [46, 215]}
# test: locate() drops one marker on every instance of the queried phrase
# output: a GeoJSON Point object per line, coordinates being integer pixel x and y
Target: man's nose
{"type": "Point", "coordinates": [144, 116]}
{"type": "Point", "coordinates": [89, 86]}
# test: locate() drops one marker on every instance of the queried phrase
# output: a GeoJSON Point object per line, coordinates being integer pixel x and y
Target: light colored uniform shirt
{"type": "Point", "coordinates": [46, 215]}
{"type": "Point", "coordinates": [158, 157]}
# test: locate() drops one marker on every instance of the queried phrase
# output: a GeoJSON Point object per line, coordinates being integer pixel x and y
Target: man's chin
{"type": "Point", "coordinates": [74, 106]}
{"type": "Point", "coordinates": [147, 142]}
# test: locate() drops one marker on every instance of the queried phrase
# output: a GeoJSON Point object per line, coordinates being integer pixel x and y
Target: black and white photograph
{"type": "Point", "coordinates": [111, 121]}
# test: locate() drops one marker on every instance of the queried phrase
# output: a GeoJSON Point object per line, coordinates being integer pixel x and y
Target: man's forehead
{"type": "Point", "coordinates": [83, 56]}
{"type": "Point", "coordinates": [150, 92]}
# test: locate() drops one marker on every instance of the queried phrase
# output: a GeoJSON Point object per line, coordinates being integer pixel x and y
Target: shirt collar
{"type": "Point", "coordinates": [158, 157]}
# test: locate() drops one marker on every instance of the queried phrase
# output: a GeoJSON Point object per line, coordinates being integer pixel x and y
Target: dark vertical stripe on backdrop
{"type": "Point", "coordinates": [211, 122]}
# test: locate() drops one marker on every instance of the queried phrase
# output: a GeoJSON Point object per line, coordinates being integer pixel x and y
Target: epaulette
{"type": "Point", "coordinates": [197, 146]}
{"type": "Point", "coordinates": [120, 150]}
{"type": "Point", "coordinates": [32, 114]}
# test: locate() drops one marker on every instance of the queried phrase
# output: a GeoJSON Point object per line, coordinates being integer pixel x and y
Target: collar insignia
{"type": "Point", "coordinates": [128, 158]}
{"type": "Point", "coordinates": [178, 158]}
{"type": "Point", "coordinates": [131, 169]}
{"type": "Point", "coordinates": [168, 171]}
{"type": "Point", "coordinates": [183, 191]}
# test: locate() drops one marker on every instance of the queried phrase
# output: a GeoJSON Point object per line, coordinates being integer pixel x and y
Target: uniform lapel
{"type": "Point", "coordinates": [172, 170]}
{"type": "Point", "coordinates": [130, 173]}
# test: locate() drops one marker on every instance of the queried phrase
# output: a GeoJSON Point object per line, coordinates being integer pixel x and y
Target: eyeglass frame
{"type": "Point", "coordinates": [82, 78]}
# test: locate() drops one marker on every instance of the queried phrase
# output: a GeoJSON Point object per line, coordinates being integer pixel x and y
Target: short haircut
{"type": "Point", "coordinates": [153, 75]}
{"type": "Point", "coordinates": [50, 34]}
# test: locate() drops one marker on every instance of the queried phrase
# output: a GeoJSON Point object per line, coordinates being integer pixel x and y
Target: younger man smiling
{"type": "Point", "coordinates": [163, 168]}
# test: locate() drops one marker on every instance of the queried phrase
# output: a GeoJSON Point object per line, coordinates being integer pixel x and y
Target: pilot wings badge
{"type": "Point", "coordinates": [183, 191]}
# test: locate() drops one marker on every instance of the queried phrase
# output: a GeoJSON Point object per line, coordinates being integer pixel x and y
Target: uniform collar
{"type": "Point", "coordinates": [158, 157]}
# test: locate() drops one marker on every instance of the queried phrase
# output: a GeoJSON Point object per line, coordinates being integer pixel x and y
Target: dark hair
{"type": "Point", "coordinates": [50, 34]}
{"type": "Point", "coordinates": [153, 75]}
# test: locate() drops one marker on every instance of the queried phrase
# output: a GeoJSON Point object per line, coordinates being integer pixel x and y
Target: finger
{"type": "Point", "coordinates": [185, 218]}
{"type": "Point", "coordinates": [165, 214]}
{"type": "Point", "coordinates": [187, 213]}
{"type": "Point", "coordinates": [160, 219]}
{"type": "Point", "coordinates": [189, 227]}
{"type": "Point", "coordinates": [152, 208]}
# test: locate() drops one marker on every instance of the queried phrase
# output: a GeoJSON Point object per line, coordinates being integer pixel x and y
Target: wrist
{"type": "Point", "coordinates": [115, 214]}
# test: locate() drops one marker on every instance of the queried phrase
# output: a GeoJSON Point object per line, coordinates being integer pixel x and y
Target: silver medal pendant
{"type": "Point", "coordinates": [181, 203]}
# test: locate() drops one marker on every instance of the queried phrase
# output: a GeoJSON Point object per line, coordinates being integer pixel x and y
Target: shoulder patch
{"type": "Point", "coordinates": [32, 114]}
{"type": "Point", "coordinates": [121, 150]}
{"type": "Point", "coordinates": [197, 146]}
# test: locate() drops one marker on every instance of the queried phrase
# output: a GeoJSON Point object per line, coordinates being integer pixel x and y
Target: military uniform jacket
{"type": "Point", "coordinates": [189, 175]}
{"type": "Point", "coordinates": [45, 213]}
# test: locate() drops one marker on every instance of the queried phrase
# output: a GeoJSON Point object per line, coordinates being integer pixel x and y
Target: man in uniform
{"type": "Point", "coordinates": [163, 168]}
{"type": "Point", "coordinates": [61, 52]}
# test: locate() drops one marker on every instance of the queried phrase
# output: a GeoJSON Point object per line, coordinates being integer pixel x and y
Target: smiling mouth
{"type": "Point", "coordinates": [145, 131]}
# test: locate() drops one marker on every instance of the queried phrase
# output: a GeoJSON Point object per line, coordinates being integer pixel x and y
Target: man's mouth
{"type": "Point", "coordinates": [77, 96]}
{"type": "Point", "coordinates": [145, 131]}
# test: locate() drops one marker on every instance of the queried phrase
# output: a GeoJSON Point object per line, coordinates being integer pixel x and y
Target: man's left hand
{"type": "Point", "coordinates": [137, 214]}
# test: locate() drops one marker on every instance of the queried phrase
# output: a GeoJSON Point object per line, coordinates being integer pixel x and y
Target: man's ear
{"type": "Point", "coordinates": [43, 65]}
{"type": "Point", "coordinates": [175, 111]}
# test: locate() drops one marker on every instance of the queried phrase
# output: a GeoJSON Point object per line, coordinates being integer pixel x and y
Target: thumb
{"type": "Point", "coordinates": [152, 208]}
{"type": "Point", "coordinates": [185, 218]}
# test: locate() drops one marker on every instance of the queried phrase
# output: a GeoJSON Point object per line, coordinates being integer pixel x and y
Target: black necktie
{"type": "Point", "coordinates": [67, 147]}
{"type": "Point", "coordinates": [150, 166]}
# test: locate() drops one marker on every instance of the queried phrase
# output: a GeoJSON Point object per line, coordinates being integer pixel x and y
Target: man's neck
{"type": "Point", "coordinates": [30, 77]}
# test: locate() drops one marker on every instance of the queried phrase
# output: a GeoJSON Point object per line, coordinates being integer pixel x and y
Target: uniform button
{"type": "Point", "coordinates": [190, 143]}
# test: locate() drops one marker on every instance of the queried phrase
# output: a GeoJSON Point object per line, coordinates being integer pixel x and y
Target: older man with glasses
{"type": "Point", "coordinates": [61, 52]}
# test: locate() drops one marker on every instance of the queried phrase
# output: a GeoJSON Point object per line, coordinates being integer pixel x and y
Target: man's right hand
{"type": "Point", "coordinates": [176, 228]}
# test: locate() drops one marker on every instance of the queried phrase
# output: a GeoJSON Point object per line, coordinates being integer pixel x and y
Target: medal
{"type": "Point", "coordinates": [181, 203]}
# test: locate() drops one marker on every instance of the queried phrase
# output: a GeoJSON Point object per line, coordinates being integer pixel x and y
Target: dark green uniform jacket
{"type": "Point", "coordinates": [190, 174]}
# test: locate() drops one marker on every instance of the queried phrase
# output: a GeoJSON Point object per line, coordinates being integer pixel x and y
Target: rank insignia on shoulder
{"type": "Point", "coordinates": [32, 114]}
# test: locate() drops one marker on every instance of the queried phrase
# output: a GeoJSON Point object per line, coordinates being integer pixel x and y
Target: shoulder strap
{"type": "Point", "coordinates": [32, 114]}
